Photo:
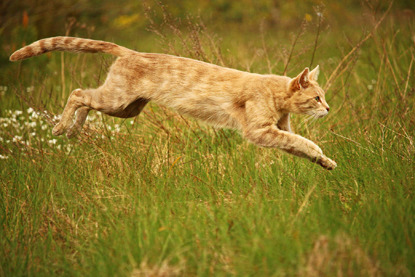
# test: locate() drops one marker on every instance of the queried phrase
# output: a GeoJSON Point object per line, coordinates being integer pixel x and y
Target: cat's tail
{"type": "Point", "coordinates": [70, 44]}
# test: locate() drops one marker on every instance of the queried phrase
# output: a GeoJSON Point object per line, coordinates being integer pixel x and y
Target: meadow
{"type": "Point", "coordinates": [165, 195]}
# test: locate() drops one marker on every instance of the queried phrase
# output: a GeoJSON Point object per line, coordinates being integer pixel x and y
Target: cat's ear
{"type": "Point", "coordinates": [314, 73]}
{"type": "Point", "coordinates": [301, 81]}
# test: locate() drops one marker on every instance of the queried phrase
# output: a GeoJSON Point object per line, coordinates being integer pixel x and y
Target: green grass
{"type": "Point", "coordinates": [166, 195]}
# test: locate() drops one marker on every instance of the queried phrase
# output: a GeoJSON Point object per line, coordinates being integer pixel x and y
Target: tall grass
{"type": "Point", "coordinates": [164, 195]}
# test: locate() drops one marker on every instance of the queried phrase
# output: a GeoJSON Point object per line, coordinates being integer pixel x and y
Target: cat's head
{"type": "Point", "coordinates": [307, 97]}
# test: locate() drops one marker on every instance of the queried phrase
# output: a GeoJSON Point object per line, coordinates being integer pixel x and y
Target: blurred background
{"type": "Point", "coordinates": [131, 22]}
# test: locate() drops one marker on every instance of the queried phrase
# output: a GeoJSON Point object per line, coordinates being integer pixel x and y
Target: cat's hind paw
{"type": "Point", "coordinates": [58, 130]}
{"type": "Point", "coordinates": [73, 131]}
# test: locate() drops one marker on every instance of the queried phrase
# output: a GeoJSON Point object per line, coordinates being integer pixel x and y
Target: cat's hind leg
{"type": "Point", "coordinates": [132, 109]}
{"type": "Point", "coordinates": [81, 115]}
{"type": "Point", "coordinates": [74, 103]}
{"type": "Point", "coordinates": [119, 105]}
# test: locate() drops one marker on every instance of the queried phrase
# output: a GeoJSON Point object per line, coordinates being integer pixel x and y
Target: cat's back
{"type": "Point", "coordinates": [176, 65]}
{"type": "Point", "coordinates": [162, 72]}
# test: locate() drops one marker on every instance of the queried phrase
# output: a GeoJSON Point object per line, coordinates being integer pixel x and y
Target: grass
{"type": "Point", "coordinates": [164, 195]}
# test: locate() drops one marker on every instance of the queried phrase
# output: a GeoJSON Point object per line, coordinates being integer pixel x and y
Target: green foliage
{"type": "Point", "coordinates": [164, 195]}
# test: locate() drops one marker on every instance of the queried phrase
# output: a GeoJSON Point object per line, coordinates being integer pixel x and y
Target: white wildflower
{"type": "Point", "coordinates": [17, 138]}
{"type": "Point", "coordinates": [3, 90]}
{"type": "Point", "coordinates": [30, 110]}
{"type": "Point", "coordinates": [3, 157]}
{"type": "Point", "coordinates": [34, 115]}
{"type": "Point", "coordinates": [68, 149]}
{"type": "Point", "coordinates": [52, 141]}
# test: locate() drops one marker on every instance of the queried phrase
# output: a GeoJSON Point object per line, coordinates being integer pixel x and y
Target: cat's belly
{"type": "Point", "coordinates": [219, 119]}
{"type": "Point", "coordinates": [211, 111]}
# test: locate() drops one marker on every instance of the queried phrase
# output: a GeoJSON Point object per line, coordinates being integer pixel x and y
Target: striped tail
{"type": "Point", "coordinates": [70, 44]}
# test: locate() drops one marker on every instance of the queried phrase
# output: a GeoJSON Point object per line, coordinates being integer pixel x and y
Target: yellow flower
{"type": "Point", "coordinates": [124, 21]}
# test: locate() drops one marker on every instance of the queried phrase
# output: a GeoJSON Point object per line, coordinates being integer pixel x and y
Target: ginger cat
{"type": "Point", "coordinates": [257, 105]}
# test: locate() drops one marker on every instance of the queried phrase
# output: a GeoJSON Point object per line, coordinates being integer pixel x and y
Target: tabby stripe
{"type": "Point", "coordinates": [68, 41]}
{"type": "Point", "coordinates": [79, 44]}
{"type": "Point", "coordinates": [29, 51]}
{"type": "Point", "coordinates": [54, 42]}
{"type": "Point", "coordinates": [42, 46]}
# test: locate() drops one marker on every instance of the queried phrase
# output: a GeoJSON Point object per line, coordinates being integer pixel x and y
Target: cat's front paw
{"type": "Point", "coordinates": [327, 163]}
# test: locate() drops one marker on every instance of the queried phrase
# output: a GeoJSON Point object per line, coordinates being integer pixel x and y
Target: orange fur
{"type": "Point", "coordinates": [257, 105]}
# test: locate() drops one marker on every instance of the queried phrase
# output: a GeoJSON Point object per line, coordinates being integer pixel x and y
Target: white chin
{"type": "Point", "coordinates": [323, 114]}
{"type": "Point", "coordinates": [318, 114]}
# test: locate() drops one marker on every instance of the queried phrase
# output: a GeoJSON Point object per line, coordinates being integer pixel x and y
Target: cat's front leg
{"type": "Point", "coordinates": [271, 136]}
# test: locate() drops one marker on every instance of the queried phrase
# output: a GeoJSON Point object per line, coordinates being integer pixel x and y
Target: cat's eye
{"type": "Point", "coordinates": [317, 98]}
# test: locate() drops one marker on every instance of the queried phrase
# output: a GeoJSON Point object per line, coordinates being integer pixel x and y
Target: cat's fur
{"type": "Point", "coordinates": [257, 105]}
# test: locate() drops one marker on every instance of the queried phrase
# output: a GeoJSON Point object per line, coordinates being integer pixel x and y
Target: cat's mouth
{"type": "Point", "coordinates": [322, 113]}
{"type": "Point", "coordinates": [318, 114]}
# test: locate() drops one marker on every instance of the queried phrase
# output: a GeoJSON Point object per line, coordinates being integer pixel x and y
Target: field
{"type": "Point", "coordinates": [165, 195]}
